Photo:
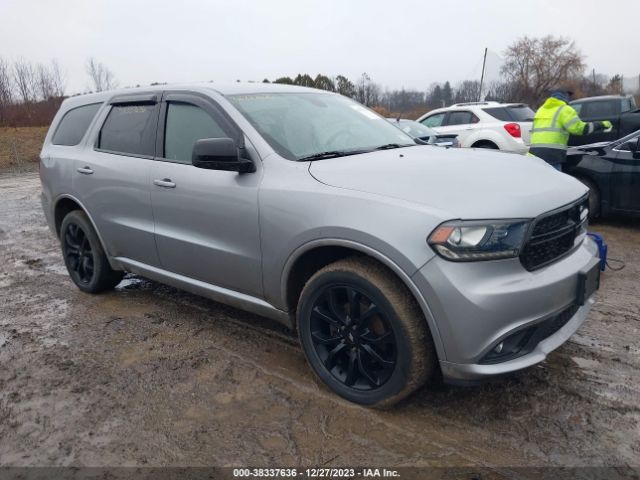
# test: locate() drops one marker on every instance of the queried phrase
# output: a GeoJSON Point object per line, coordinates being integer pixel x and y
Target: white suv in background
{"type": "Point", "coordinates": [503, 126]}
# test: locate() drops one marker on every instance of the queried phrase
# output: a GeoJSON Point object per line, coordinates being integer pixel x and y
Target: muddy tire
{"type": "Point", "coordinates": [83, 255]}
{"type": "Point", "coordinates": [363, 333]}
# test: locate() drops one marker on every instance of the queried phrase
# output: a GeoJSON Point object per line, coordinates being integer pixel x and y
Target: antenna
{"type": "Point", "coordinates": [484, 62]}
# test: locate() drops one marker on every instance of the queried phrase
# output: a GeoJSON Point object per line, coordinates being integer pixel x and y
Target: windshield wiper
{"type": "Point", "coordinates": [389, 146]}
{"type": "Point", "coordinates": [330, 154]}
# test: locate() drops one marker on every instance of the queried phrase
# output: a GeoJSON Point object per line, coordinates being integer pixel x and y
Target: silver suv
{"type": "Point", "coordinates": [392, 260]}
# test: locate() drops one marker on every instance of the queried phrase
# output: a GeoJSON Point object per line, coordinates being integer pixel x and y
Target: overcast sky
{"type": "Point", "coordinates": [409, 43]}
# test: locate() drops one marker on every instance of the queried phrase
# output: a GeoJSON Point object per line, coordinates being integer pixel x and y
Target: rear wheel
{"type": "Point", "coordinates": [83, 255]}
{"type": "Point", "coordinates": [363, 333]}
{"type": "Point", "coordinates": [485, 144]}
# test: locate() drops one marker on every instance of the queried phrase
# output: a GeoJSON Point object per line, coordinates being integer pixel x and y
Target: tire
{"type": "Point", "coordinates": [594, 198]}
{"type": "Point", "coordinates": [485, 144]}
{"type": "Point", "coordinates": [388, 324]}
{"type": "Point", "coordinates": [83, 255]}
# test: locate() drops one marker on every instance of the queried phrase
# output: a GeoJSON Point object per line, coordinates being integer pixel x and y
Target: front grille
{"type": "Point", "coordinates": [551, 326]}
{"type": "Point", "coordinates": [553, 235]}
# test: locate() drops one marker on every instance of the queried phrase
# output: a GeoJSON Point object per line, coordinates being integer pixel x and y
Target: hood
{"type": "Point", "coordinates": [455, 182]}
{"type": "Point", "coordinates": [591, 147]}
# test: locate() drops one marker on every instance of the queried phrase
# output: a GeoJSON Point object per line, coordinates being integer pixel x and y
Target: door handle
{"type": "Point", "coordinates": [85, 170]}
{"type": "Point", "coordinates": [165, 182]}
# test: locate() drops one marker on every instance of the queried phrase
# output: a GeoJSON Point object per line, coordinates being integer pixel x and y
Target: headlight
{"type": "Point", "coordinates": [467, 241]}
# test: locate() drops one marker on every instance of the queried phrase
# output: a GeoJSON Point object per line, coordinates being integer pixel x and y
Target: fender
{"type": "Point", "coordinates": [386, 261]}
{"type": "Point", "coordinates": [485, 135]}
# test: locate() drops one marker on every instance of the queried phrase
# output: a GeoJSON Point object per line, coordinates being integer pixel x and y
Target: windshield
{"type": "Point", "coordinates": [623, 140]}
{"type": "Point", "coordinates": [302, 125]}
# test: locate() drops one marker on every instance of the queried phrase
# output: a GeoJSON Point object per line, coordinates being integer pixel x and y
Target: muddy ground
{"type": "Point", "coordinates": [148, 375]}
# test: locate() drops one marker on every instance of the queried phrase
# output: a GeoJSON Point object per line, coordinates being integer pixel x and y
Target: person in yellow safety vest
{"type": "Point", "coordinates": [554, 121]}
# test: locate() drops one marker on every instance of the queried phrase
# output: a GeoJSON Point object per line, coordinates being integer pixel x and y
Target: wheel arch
{"type": "Point", "coordinates": [601, 190]}
{"type": "Point", "coordinates": [67, 203]}
{"type": "Point", "coordinates": [485, 135]}
{"type": "Point", "coordinates": [484, 141]}
{"type": "Point", "coordinates": [313, 256]}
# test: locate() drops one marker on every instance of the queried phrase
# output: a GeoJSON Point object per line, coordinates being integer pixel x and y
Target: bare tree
{"type": "Point", "coordinates": [367, 92]}
{"type": "Point", "coordinates": [58, 80]}
{"type": "Point", "coordinates": [536, 65]}
{"type": "Point", "coordinates": [44, 82]}
{"type": "Point", "coordinates": [101, 77]}
{"type": "Point", "coordinates": [26, 80]}
{"type": "Point", "coordinates": [467, 91]}
{"type": "Point", "coordinates": [6, 84]}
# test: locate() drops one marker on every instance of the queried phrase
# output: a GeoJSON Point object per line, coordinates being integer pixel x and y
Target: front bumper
{"type": "Point", "coordinates": [477, 305]}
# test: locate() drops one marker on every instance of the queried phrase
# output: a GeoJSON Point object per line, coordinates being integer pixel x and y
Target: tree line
{"type": "Point", "coordinates": [30, 93]}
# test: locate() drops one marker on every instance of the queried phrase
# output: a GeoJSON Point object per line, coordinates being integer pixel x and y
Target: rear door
{"type": "Point", "coordinates": [461, 122]}
{"type": "Point", "coordinates": [206, 221]}
{"type": "Point", "coordinates": [111, 178]}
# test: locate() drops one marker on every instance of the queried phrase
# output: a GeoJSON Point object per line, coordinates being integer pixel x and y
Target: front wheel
{"type": "Point", "coordinates": [84, 257]}
{"type": "Point", "coordinates": [594, 198]}
{"type": "Point", "coordinates": [363, 333]}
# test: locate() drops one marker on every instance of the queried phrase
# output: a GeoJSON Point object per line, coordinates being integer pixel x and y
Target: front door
{"type": "Point", "coordinates": [206, 221]}
{"type": "Point", "coordinates": [625, 180]}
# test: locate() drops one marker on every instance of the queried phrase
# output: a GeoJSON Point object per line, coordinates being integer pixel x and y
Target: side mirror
{"type": "Point", "coordinates": [220, 154]}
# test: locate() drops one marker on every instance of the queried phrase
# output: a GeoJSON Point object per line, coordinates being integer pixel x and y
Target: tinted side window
{"type": "Point", "coordinates": [74, 125]}
{"type": "Point", "coordinates": [185, 125]}
{"type": "Point", "coordinates": [461, 118]}
{"type": "Point", "coordinates": [577, 107]}
{"type": "Point", "coordinates": [434, 120]}
{"type": "Point", "coordinates": [598, 110]}
{"type": "Point", "coordinates": [625, 105]}
{"type": "Point", "coordinates": [500, 113]}
{"type": "Point", "coordinates": [129, 129]}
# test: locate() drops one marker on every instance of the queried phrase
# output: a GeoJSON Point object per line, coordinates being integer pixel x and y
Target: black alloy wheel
{"type": "Point", "coordinates": [84, 256]}
{"type": "Point", "coordinates": [353, 337]}
{"type": "Point", "coordinates": [78, 253]}
{"type": "Point", "coordinates": [363, 333]}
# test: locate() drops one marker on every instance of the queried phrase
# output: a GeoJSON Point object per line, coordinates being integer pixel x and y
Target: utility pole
{"type": "Point", "coordinates": [484, 63]}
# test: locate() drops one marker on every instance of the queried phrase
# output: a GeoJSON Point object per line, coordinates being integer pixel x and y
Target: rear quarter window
{"type": "Point", "coordinates": [74, 125]}
{"type": "Point", "coordinates": [516, 113]}
{"type": "Point", "coordinates": [499, 113]}
{"type": "Point", "coordinates": [130, 129]}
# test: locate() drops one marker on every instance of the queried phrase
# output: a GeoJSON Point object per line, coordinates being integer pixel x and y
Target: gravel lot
{"type": "Point", "coordinates": [148, 375]}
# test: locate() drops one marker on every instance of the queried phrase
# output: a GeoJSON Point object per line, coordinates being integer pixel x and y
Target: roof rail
{"type": "Point", "coordinates": [474, 103]}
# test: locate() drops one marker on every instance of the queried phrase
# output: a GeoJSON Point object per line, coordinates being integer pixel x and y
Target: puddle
{"type": "Point", "coordinates": [131, 282]}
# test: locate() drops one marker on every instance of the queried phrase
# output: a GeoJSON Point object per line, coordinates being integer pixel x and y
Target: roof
{"type": "Point", "coordinates": [221, 88]}
{"type": "Point", "coordinates": [600, 97]}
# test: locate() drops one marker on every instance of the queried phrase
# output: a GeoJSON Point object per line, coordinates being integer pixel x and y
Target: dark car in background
{"type": "Point", "coordinates": [424, 133]}
{"type": "Point", "coordinates": [620, 110]}
{"type": "Point", "coordinates": [611, 170]}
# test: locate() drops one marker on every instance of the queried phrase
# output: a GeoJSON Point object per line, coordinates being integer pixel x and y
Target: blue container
{"type": "Point", "coordinates": [602, 249]}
